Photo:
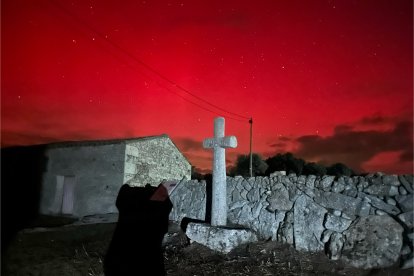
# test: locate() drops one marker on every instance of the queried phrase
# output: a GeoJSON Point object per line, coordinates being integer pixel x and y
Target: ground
{"type": "Point", "coordinates": [79, 250]}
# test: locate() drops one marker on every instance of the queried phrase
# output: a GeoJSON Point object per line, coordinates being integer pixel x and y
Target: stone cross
{"type": "Point", "coordinates": [219, 191]}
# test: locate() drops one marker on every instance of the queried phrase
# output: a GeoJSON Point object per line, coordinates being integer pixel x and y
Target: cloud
{"type": "Point", "coordinates": [188, 144]}
{"type": "Point", "coordinates": [376, 119]}
{"type": "Point", "coordinates": [279, 145]}
{"type": "Point", "coordinates": [355, 147]}
{"type": "Point", "coordinates": [342, 128]}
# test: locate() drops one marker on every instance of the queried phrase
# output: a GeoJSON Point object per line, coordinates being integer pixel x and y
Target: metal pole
{"type": "Point", "coordinates": [251, 157]}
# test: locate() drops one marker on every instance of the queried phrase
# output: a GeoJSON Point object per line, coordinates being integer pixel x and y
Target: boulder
{"type": "Point", "coordinates": [373, 242]}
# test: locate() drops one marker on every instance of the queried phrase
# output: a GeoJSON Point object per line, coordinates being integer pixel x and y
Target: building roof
{"type": "Point", "coordinates": [104, 142]}
{"type": "Point", "coordinates": [68, 144]}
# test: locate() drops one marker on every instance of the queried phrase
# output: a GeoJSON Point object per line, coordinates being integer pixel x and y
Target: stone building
{"type": "Point", "coordinates": [83, 178]}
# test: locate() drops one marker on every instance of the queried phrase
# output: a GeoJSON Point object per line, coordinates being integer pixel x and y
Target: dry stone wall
{"type": "Point", "coordinates": [365, 221]}
{"type": "Point", "coordinates": [189, 200]}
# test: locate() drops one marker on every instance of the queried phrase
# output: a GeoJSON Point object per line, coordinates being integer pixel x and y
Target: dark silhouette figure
{"type": "Point", "coordinates": [136, 246]}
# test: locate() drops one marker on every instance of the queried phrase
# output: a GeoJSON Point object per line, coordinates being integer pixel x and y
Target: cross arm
{"type": "Point", "coordinates": [224, 142]}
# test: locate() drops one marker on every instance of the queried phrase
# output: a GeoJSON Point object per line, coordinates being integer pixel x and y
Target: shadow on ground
{"type": "Point", "coordinates": [79, 249]}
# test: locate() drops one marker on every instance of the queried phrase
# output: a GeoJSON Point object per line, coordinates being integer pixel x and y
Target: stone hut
{"type": "Point", "coordinates": [83, 178]}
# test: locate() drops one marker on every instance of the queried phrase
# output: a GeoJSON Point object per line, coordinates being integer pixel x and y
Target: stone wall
{"type": "Point", "coordinates": [189, 201]}
{"type": "Point", "coordinates": [365, 221]}
{"type": "Point", "coordinates": [150, 160]}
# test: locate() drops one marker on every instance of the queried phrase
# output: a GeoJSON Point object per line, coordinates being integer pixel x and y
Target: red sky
{"type": "Point", "coordinates": [329, 81]}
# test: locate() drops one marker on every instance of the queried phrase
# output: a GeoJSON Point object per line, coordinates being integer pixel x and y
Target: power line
{"type": "Point", "coordinates": [149, 68]}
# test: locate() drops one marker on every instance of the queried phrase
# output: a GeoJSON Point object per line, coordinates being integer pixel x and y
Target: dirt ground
{"type": "Point", "coordinates": [79, 250]}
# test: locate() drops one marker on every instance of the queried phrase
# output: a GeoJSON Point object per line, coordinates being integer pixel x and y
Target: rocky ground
{"type": "Point", "coordinates": [79, 250]}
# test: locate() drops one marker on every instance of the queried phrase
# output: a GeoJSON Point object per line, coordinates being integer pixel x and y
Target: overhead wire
{"type": "Point", "coordinates": [239, 118]}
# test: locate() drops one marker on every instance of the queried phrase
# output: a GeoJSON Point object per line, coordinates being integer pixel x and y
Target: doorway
{"type": "Point", "coordinates": [64, 195]}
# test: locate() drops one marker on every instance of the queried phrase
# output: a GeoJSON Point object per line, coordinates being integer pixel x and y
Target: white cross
{"type": "Point", "coordinates": [219, 191]}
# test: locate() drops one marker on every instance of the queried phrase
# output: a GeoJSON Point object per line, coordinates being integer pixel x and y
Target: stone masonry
{"type": "Point", "coordinates": [364, 221]}
{"type": "Point", "coordinates": [152, 160]}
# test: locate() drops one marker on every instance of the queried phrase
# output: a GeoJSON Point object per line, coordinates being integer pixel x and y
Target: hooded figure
{"type": "Point", "coordinates": [136, 246]}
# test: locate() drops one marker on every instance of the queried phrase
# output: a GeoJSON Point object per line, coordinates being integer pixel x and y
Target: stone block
{"type": "Point", "coordinates": [267, 226]}
{"type": "Point", "coordinates": [301, 180]}
{"type": "Point", "coordinates": [363, 209]}
{"type": "Point", "coordinates": [337, 224]}
{"type": "Point", "coordinates": [378, 203]}
{"type": "Point", "coordinates": [308, 224]}
{"type": "Point", "coordinates": [310, 181]}
{"type": "Point", "coordinates": [382, 190]}
{"type": "Point", "coordinates": [346, 204]}
{"type": "Point", "coordinates": [402, 190]}
{"type": "Point", "coordinates": [277, 173]}
{"type": "Point", "coordinates": [219, 239]}
{"type": "Point", "coordinates": [407, 218]}
{"type": "Point", "coordinates": [391, 180]}
{"type": "Point", "coordinates": [326, 182]}
{"type": "Point", "coordinates": [326, 235]}
{"type": "Point", "coordinates": [253, 195]}
{"type": "Point", "coordinates": [390, 201]}
{"type": "Point", "coordinates": [336, 243]}
{"type": "Point", "coordinates": [362, 185]}
{"type": "Point", "coordinates": [405, 202]}
{"type": "Point", "coordinates": [285, 233]}
{"type": "Point", "coordinates": [407, 185]}
{"type": "Point", "coordinates": [350, 190]}
{"type": "Point", "coordinates": [338, 186]}
{"type": "Point", "coordinates": [279, 199]}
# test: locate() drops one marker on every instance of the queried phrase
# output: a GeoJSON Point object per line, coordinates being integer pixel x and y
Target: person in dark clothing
{"type": "Point", "coordinates": [136, 245]}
